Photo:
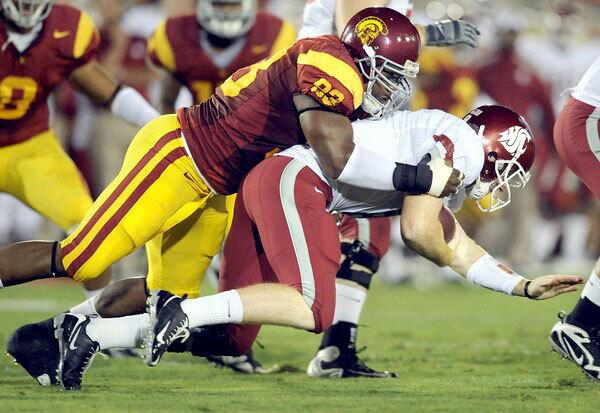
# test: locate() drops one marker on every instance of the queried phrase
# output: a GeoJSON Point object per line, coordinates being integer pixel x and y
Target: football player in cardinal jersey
{"type": "Point", "coordinates": [42, 44]}
{"type": "Point", "coordinates": [576, 335]}
{"type": "Point", "coordinates": [284, 234]}
{"type": "Point", "coordinates": [200, 52]}
{"type": "Point", "coordinates": [184, 163]}
{"type": "Point", "coordinates": [365, 240]}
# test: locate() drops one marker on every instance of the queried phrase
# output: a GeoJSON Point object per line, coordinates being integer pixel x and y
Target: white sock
{"type": "Point", "coordinates": [1, 286]}
{"type": "Point", "coordinates": [92, 293]}
{"type": "Point", "coordinates": [592, 289]}
{"type": "Point", "coordinates": [88, 307]}
{"type": "Point", "coordinates": [348, 303]}
{"type": "Point", "coordinates": [121, 332]}
{"type": "Point", "coordinates": [221, 308]}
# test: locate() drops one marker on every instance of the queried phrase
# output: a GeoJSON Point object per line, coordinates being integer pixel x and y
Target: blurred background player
{"type": "Point", "coordinates": [577, 138]}
{"type": "Point", "coordinates": [364, 240]}
{"type": "Point", "coordinates": [199, 52]}
{"type": "Point", "coordinates": [40, 45]}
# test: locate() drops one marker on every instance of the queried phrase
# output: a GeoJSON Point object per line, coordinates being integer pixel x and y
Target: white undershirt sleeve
{"type": "Point", "coordinates": [131, 106]}
{"type": "Point", "coordinates": [368, 169]}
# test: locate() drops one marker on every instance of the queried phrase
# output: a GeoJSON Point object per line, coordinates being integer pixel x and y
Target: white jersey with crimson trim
{"type": "Point", "coordinates": [319, 16]}
{"type": "Point", "coordinates": [405, 137]}
{"type": "Point", "coordinates": [588, 88]}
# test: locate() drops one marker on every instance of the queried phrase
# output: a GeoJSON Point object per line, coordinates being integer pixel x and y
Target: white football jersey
{"type": "Point", "coordinates": [405, 137]}
{"type": "Point", "coordinates": [588, 88]}
{"type": "Point", "coordinates": [558, 67]}
{"type": "Point", "coordinates": [319, 16]}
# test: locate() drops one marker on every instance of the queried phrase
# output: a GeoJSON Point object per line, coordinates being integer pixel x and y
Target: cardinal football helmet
{"type": "Point", "coordinates": [25, 14]}
{"type": "Point", "coordinates": [228, 19]}
{"type": "Point", "coordinates": [385, 46]}
{"type": "Point", "coordinates": [509, 153]}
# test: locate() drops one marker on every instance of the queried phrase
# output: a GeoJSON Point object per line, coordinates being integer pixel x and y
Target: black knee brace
{"type": "Point", "coordinates": [356, 253]}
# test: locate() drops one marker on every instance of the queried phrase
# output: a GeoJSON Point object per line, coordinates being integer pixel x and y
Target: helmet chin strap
{"type": "Point", "coordinates": [479, 189]}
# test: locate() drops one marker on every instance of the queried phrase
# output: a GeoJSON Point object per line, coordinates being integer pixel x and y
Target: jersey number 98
{"type": "Point", "coordinates": [16, 95]}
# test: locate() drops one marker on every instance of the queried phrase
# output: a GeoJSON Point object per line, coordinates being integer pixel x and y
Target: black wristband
{"type": "Point", "coordinates": [112, 97]}
{"type": "Point", "coordinates": [53, 267]}
{"type": "Point", "coordinates": [526, 290]}
{"type": "Point", "coordinates": [415, 179]}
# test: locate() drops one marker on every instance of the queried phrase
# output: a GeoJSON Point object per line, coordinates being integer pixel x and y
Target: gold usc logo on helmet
{"type": "Point", "coordinates": [369, 28]}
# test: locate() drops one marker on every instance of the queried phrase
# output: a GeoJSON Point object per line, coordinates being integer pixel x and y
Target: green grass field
{"type": "Point", "coordinates": [454, 348]}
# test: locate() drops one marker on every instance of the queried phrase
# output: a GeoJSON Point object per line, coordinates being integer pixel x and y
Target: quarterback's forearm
{"type": "Point", "coordinates": [474, 263]}
{"type": "Point", "coordinates": [422, 231]}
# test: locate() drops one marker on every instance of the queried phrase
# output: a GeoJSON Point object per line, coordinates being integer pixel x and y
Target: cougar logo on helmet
{"type": "Point", "coordinates": [369, 28]}
{"type": "Point", "coordinates": [514, 140]}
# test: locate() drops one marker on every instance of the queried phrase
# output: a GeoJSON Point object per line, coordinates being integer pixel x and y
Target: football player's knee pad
{"type": "Point", "coordinates": [359, 264]}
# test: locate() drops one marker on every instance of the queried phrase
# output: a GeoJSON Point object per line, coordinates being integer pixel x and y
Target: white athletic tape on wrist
{"type": "Point", "coordinates": [441, 174]}
{"type": "Point", "coordinates": [368, 169]}
{"type": "Point", "coordinates": [489, 273]}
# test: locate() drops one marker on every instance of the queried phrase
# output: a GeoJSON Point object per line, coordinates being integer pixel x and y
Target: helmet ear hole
{"type": "Point", "coordinates": [492, 156]}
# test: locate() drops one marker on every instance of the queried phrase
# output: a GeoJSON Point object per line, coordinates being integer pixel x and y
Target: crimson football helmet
{"type": "Point", "coordinates": [509, 153]}
{"type": "Point", "coordinates": [25, 14]}
{"type": "Point", "coordinates": [385, 46]}
{"type": "Point", "coordinates": [228, 19]}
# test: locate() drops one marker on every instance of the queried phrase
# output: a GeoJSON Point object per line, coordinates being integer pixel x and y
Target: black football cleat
{"type": "Point", "coordinates": [578, 345]}
{"type": "Point", "coordinates": [330, 362]}
{"type": "Point", "coordinates": [168, 323]}
{"type": "Point", "coordinates": [77, 350]}
{"type": "Point", "coordinates": [35, 348]}
{"type": "Point", "coordinates": [245, 363]}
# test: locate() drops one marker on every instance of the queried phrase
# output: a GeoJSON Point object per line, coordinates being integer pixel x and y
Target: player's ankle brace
{"type": "Point", "coordinates": [586, 314]}
{"type": "Point", "coordinates": [53, 267]}
{"type": "Point", "coordinates": [341, 335]}
{"type": "Point", "coordinates": [356, 253]}
{"type": "Point", "coordinates": [206, 341]}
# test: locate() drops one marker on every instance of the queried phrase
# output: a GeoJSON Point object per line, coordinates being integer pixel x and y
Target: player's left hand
{"type": "Point", "coordinates": [452, 32]}
{"type": "Point", "coordinates": [550, 286]}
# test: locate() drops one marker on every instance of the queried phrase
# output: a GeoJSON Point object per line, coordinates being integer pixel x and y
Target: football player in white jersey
{"type": "Point", "coordinates": [323, 16]}
{"type": "Point", "coordinates": [284, 234]}
{"type": "Point", "coordinates": [365, 240]}
{"type": "Point", "coordinates": [577, 138]}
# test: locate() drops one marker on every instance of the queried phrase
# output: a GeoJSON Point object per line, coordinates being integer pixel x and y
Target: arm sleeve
{"type": "Point", "coordinates": [285, 37]}
{"type": "Point", "coordinates": [330, 80]}
{"type": "Point", "coordinates": [159, 49]}
{"type": "Point", "coordinates": [86, 40]}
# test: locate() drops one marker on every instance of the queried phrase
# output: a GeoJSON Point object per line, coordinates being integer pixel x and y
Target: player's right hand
{"type": "Point", "coordinates": [549, 286]}
{"type": "Point", "coordinates": [445, 179]}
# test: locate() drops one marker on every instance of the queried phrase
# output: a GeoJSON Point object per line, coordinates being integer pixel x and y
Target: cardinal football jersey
{"type": "Point", "coordinates": [176, 47]}
{"type": "Point", "coordinates": [406, 137]}
{"type": "Point", "coordinates": [252, 114]}
{"type": "Point", "coordinates": [67, 40]}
